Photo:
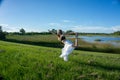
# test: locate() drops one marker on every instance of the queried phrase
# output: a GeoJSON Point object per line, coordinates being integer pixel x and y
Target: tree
{"type": "Point", "coordinates": [22, 31]}
{"type": "Point", "coordinates": [1, 29]}
{"type": "Point", "coordinates": [2, 34]}
{"type": "Point", "coordinates": [117, 33]}
{"type": "Point", "coordinates": [53, 30]}
{"type": "Point", "coordinates": [69, 31]}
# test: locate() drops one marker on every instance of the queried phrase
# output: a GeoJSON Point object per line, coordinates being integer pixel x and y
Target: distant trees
{"type": "Point", "coordinates": [66, 32]}
{"type": "Point", "coordinates": [53, 30]}
{"type": "Point", "coordinates": [22, 31]}
{"type": "Point", "coordinates": [117, 33]}
{"type": "Point", "coordinates": [0, 28]}
{"type": "Point", "coordinates": [2, 34]}
{"type": "Point", "coordinates": [69, 32]}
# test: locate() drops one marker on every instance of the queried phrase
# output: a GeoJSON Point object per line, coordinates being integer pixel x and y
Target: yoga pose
{"type": "Point", "coordinates": [69, 46]}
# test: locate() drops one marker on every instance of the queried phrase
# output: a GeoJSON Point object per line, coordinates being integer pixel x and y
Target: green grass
{"type": "Point", "coordinates": [34, 38]}
{"type": "Point", "coordinates": [51, 41]}
{"type": "Point", "coordinates": [28, 62]}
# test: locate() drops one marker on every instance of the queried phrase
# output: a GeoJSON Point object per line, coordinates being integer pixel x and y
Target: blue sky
{"type": "Point", "coordinates": [101, 16]}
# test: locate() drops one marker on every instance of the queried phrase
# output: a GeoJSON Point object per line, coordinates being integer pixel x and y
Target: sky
{"type": "Point", "coordinates": [90, 16]}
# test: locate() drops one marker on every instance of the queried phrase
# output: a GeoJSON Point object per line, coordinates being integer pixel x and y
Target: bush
{"type": "Point", "coordinates": [2, 34]}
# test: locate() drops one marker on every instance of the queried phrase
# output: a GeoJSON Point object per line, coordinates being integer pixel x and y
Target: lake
{"type": "Point", "coordinates": [103, 39]}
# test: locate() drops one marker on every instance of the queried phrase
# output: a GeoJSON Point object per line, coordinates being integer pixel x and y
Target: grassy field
{"type": "Point", "coordinates": [28, 62]}
{"type": "Point", "coordinates": [51, 41]}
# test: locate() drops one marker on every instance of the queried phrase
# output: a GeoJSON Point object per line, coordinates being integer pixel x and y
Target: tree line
{"type": "Point", "coordinates": [23, 32]}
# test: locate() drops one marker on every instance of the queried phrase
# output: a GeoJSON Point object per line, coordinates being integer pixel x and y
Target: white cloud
{"type": "Point", "coordinates": [92, 29]}
{"type": "Point", "coordinates": [11, 28]}
{"type": "Point", "coordinates": [66, 21]}
{"type": "Point", "coordinates": [116, 28]}
{"type": "Point", "coordinates": [4, 25]}
{"type": "Point", "coordinates": [86, 29]}
{"type": "Point", "coordinates": [8, 28]}
{"type": "Point", "coordinates": [54, 24]}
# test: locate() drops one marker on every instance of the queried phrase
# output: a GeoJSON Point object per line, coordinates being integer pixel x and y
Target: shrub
{"type": "Point", "coordinates": [2, 34]}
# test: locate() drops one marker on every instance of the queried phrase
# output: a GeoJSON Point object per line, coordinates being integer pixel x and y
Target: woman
{"type": "Point", "coordinates": [68, 45]}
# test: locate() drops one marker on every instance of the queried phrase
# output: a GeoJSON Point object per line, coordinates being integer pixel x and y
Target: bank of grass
{"type": "Point", "coordinates": [98, 47]}
{"type": "Point", "coordinates": [27, 62]}
{"type": "Point", "coordinates": [41, 40]}
{"type": "Point", "coordinates": [51, 41]}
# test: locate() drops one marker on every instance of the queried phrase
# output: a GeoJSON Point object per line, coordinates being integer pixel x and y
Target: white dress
{"type": "Point", "coordinates": [68, 48]}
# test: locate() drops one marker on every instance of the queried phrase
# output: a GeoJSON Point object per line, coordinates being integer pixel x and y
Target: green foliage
{"type": "Point", "coordinates": [2, 34]}
{"type": "Point", "coordinates": [54, 31]}
{"type": "Point", "coordinates": [51, 41]}
{"type": "Point", "coordinates": [27, 62]}
{"type": "Point", "coordinates": [1, 29]}
{"type": "Point", "coordinates": [69, 31]}
{"type": "Point", "coordinates": [22, 31]}
{"type": "Point", "coordinates": [41, 40]}
{"type": "Point", "coordinates": [117, 33]}
{"type": "Point", "coordinates": [29, 33]}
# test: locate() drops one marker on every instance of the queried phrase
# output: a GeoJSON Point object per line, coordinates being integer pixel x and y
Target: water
{"type": "Point", "coordinates": [103, 39]}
